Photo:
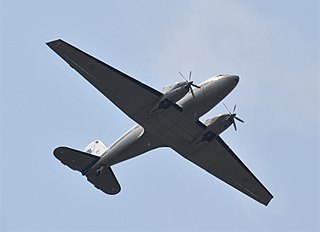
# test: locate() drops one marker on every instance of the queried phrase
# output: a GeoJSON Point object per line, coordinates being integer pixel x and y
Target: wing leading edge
{"type": "Point", "coordinates": [127, 93]}
{"type": "Point", "coordinates": [219, 160]}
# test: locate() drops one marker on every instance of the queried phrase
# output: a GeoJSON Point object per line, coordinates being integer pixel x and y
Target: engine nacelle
{"type": "Point", "coordinates": [215, 126]}
{"type": "Point", "coordinates": [171, 94]}
{"type": "Point", "coordinates": [219, 123]}
{"type": "Point", "coordinates": [176, 91]}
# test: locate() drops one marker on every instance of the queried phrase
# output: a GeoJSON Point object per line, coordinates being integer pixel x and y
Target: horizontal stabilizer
{"type": "Point", "coordinates": [104, 180]}
{"type": "Point", "coordinates": [74, 159]}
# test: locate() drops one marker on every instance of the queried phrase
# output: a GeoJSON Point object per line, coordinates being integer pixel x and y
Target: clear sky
{"type": "Point", "coordinates": [272, 45]}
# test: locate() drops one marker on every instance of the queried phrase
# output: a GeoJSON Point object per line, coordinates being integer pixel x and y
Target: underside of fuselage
{"type": "Point", "coordinates": [168, 133]}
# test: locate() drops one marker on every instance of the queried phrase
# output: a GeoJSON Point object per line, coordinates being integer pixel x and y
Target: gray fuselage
{"type": "Point", "coordinates": [137, 140]}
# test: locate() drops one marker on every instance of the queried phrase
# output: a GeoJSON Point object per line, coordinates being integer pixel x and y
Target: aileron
{"type": "Point", "coordinates": [219, 160]}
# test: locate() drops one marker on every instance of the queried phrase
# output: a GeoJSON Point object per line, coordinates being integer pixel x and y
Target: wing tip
{"type": "Point", "coordinates": [57, 152]}
{"type": "Point", "coordinates": [266, 201]}
{"type": "Point", "coordinates": [54, 43]}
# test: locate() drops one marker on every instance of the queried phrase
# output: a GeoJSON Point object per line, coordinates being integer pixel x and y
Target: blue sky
{"type": "Point", "coordinates": [273, 46]}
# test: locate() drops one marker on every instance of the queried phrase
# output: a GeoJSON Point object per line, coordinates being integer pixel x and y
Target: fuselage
{"type": "Point", "coordinates": [133, 143]}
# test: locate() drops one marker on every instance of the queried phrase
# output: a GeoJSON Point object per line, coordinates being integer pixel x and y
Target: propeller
{"type": "Point", "coordinates": [189, 83]}
{"type": "Point", "coordinates": [233, 116]}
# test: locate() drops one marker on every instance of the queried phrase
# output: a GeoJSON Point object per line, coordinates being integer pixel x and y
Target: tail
{"type": "Point", "coordinates": [103, 178]}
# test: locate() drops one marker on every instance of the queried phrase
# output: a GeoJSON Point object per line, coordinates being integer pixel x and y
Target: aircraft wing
{"type": "Point", "coordinates": [218, 159]}
{"type": "Point", "coordinates": [128, 94]}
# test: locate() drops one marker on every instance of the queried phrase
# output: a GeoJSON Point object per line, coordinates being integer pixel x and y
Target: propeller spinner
{"type": "Point", "coordinates": [189, 83]}
{"type": "Point", "coordinates": [233, 116]}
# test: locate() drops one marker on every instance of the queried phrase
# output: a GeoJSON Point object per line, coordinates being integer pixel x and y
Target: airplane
{"type": "Point", "coordinates": [164, 119]}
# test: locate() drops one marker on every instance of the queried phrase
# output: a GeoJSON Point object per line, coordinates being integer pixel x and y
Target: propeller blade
{"type": "Point", "coordinates": [192, 92]}
{"type": "Point", "coordinates": [189, 82]}
{"type": "Point", "coordinates": [196, 86]}
{"type": "Point", "coordinates": [233, 116]}
{"type": "Point", "coordinates": [234, 125]}
{"type": "Point", "coordinates": [226, 108]}
{"type": "Point", "coordinates": [239, 119]}
{"type": "Point", "coordinates": [183, 77]}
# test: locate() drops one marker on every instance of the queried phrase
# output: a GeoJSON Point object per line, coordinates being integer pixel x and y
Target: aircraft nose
{"type": "Point", "coordinates": [235, 78]}
{"type": "Point", "coordinates": [232, 79]}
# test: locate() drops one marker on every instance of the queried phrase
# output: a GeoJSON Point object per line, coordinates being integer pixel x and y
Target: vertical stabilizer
{"type": "Point", "coordinates": [96, 148]}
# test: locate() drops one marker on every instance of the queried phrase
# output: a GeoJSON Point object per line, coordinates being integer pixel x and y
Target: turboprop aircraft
{"type": "Point", "coordinates": [164, 119]}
